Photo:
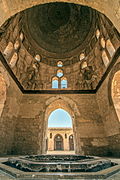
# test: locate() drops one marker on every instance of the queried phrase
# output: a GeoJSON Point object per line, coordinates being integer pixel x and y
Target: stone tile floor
{"type": "Point", "coordinates": [4, 176]}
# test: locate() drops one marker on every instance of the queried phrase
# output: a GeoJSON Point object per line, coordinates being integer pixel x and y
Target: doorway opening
{"type": "Point", "coordinates": [60, 137]}
{"type": "Point", "coordinates": [58, 143]}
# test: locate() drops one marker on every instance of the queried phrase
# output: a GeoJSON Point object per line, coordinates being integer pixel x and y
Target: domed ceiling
{"type": "Point", "coordinates": [58, 46]}
{"type": "Point", "coordinates": [58, 29]}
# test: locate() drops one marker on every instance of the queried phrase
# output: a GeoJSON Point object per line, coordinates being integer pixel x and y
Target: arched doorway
{"type": "Point", "coordinates": [71, 143]}
{"type": "Point", "coordinates": [59, 130]}
{"type": "Point", "coordinates": [58, 143]}
{"type": "Point", "coordinates": [116, 92]}
{"type": "Point", "coordinates": [68, 106]}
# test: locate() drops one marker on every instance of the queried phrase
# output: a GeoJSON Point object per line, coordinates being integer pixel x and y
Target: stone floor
{"type": "Point", "coordinates": [4, 176]}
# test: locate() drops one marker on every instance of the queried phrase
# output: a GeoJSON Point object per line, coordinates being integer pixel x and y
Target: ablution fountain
{"type": "Point", "coordinates": [59, 167]}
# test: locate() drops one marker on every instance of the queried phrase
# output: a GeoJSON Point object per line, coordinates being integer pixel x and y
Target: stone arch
{"type": "Point", "coordinates": [71, 103]}
{"type": "Point", "coordinates": [115, 69]}
{"type": "Point", "coordinates": [104, 7]}
{"type": "Point", "coordinates": [114, 103]}
{"type": "Point", "coordinates": [65, 103]}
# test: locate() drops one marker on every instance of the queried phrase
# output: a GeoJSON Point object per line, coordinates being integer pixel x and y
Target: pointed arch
{"type": "Point", "coordinates": [55, 83]}
{"type": "Point", "coordinates": [60, 64]}
{"type": "Point", "coordinates": [59, 73]}
{"type": "Point", "coordinates": [115, 89]}
{"type": "Point", "coordinates": [64, 83]}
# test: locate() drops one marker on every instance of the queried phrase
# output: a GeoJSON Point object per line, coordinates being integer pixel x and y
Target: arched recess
{"type": "Point", "coordinates": [116, 92]}
{"type": "Point", "coordinates": [58, 143]}
{"type": "Point", "coordinates": [59, 102]}
{"type": "Point", "coordinates": [9, 10]}
{"type": "Point", "coordinates": [114, 89]}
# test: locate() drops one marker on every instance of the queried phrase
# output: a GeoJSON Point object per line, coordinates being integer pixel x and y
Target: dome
{"type": "Point", "coordinates": [58, 29]}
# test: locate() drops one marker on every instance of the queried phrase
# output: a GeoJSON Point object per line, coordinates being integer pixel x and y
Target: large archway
{"type": "Point", "coordinates": [60, 128]}
{"type": "Point", "coordinates": [116, 92]}
{"type": "Point", "coordinates": [70, 108]}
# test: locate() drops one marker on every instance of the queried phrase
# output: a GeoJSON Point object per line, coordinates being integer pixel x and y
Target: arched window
{"type": "Point", "coordinates": [71, 143]}
{"type": "Point", "coordinates": [105, 58]}
{"type": "Point", "coordinates": [82, 56]}
{"type": "Point", "coordinates": [59, 64]}
{"type": "Point", "coordinates": [63, 82]}
{"type": "Point", "coordinates": [2, 93]}
{"type": "Point", "coordinates": [97, 33]}
{"type": "Point", "coordinates": [58, 143]}
{"type": "Point", "coordinates": [60, 73]}
{"type": "Point", "coordinates": [110, 47]}
{"type": "Point", "coordinates": [13, 60]}
{"type": "Point", "coordinates": [55, 82]}
{"type": "Point", "coordinates": [8, 50]}
{"type": "Point", "coordinates": [102, 42]}
{"type": "Point", "coordinates": [116, 92]}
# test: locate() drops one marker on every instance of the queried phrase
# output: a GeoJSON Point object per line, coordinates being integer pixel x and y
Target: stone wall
{"type": "Point", "coordinates": [30, 131]}
{"type": "Point", "coordinates": [8, 117]}
{"type": "Point", "coordinates": [23, 123]}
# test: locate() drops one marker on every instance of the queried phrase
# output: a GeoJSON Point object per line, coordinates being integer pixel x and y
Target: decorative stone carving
{"type": "Point", "coordinates": [86, 78]}
{"type": "Point", "coordinates": [32, 79]}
